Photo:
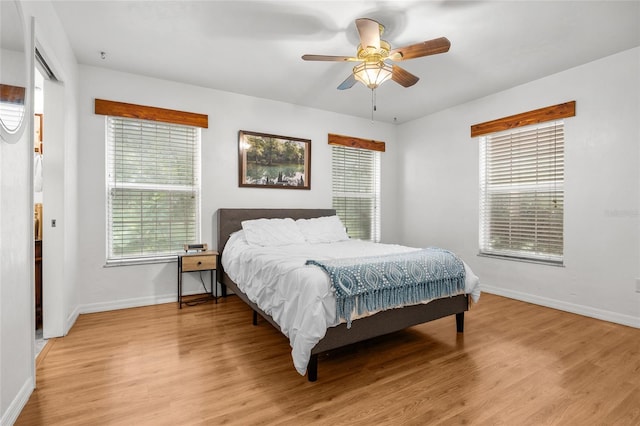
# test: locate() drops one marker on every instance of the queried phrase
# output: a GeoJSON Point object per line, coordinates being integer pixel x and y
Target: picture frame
{"type": "Point", "coordinates": [273, 161]}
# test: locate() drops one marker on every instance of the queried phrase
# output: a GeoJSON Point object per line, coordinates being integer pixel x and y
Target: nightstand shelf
{"type": "Point", "coordinates": [196, 262]}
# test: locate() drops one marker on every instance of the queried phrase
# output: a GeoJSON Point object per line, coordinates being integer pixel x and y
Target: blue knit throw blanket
{"type": "Point", "coordinates": [374, 283]}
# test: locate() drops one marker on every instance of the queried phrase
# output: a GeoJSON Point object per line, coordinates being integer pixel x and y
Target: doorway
{"type": "Point", "coordinates": [54, 177]}
{"type": "Point", "coordinates": [49, 109]}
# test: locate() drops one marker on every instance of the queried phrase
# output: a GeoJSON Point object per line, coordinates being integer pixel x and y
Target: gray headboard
{"type": "Point", "coordinates": [230, 220]}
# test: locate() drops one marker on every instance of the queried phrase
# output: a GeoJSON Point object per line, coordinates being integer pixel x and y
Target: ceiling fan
{"type": "Point", "coordinates": [373, 52]}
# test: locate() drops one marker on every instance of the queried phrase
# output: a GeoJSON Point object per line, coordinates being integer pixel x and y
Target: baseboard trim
{"type": "Point", "coordinates": [10, 416]}
{"type": "Point", "coordinates": [137, 302]}
{"type": "Point", "coordinates": [126, 303]}
{"type": "Point", "coordinates": [587, 311]}
{"type": "Point", "coordinates": [71, 320]}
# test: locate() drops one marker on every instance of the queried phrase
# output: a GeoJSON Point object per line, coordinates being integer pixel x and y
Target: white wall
{"type": "Point", "coordinates": [102, 287]}
{"type": "Point", "coordinates": [439, 184]}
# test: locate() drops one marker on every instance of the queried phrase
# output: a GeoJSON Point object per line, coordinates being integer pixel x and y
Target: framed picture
{"type": "Point", "coordinates": [271, 161]}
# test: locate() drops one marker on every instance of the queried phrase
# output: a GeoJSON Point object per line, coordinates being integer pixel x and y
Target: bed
{"type": "Point", "coordinates": [334, 336]}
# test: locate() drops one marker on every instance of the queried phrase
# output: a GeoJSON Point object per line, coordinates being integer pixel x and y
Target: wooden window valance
{"type": "Point", "coordinates": [11, 94]}
{"type": "Point", "coordinates": [550, 113]}
{"type": "Point", "coordinates": [121, 109]}
{"type": "Point", "coordinates": [352, 142]}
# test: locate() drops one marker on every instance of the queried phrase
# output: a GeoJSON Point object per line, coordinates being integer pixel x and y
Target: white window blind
{"type": "Point", "coordinates": [356, 190]}
{"type": "Point", "coordinates": [11, 114]}
{"type": "Point", "coordinates": [522, 193]}
{"type": "Point", "coordinates": [153, 189]}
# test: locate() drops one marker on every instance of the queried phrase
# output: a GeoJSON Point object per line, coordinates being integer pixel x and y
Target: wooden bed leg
{"type": "Point", "coordinates": [255, 318]}
{"type": "Point", "coordinates": [460, 322]}
{"type": "Point", "coordinates": [312, 368]}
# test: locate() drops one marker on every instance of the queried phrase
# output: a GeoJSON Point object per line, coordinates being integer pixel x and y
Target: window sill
{"type": "Point", "coordinates": [140, 261]}
{"type": "Point", "coordinates": [558, 263]}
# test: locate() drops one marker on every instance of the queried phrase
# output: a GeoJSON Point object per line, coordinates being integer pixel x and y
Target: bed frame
{"type": "Point", "coordinates": [230, 220]}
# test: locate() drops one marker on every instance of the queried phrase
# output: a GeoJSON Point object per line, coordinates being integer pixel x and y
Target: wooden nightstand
{"type": "Point", "coordinates": [200, 261]}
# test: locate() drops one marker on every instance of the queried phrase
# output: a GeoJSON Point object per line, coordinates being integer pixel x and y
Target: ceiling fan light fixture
{"type": "Point", "coordinates": [372, 74]}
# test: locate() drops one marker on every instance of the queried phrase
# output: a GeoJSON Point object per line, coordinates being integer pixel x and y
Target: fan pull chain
{"type": "Point", "coordinates": [373, 103]}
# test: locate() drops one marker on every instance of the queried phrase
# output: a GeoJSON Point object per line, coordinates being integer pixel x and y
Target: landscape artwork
{"type": "Point", "coordinates": [271, 161]}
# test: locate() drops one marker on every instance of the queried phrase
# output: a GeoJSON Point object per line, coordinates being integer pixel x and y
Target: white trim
{"type": "Point", "coordinates": [120, 304]}
{"type": "Point", "coordinates": [126, 303]}
{"type": "Point", "coordinates": [165, 258]}
{"type": "Point", "coordinates": [587, 311]}
{"type": "Point", "coordinates": [131, 303]}
{"type": "Point", "coordinates": [71, 320]}
{"type": "Point", "coordinates": [15, 408]}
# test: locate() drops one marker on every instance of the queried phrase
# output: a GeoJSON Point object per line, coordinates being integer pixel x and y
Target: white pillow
{"type": "Point", "coordinates": [272, 232]}
{"type": "Point", "coordinates": [327, 229]}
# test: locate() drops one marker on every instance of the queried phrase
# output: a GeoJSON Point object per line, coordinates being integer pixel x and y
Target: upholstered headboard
{"type": "Point", "coordinates": [230, 220]}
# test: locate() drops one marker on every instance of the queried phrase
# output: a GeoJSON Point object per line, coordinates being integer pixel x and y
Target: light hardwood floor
{"type": "Point", "coordinates": [515, 364]}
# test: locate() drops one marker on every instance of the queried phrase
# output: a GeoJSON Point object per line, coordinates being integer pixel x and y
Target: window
{"type": "Point", "coordinates": [153, 189]}
{"type": "Point", "coordinates": [356, 190]}
{"type": "Point", "coordinates": [522, 193]}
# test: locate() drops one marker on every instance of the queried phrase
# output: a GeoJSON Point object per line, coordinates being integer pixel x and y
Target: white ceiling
{"type": "Point", "coordinates": [254, 47]}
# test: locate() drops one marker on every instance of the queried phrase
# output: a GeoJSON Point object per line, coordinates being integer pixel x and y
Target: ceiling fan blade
{"type": "Point", "coordinates": [329, 58]}
{"type": "Point", "coordinates": [369, 31]}
{"type": "Point", "coordinates": [403, 77]}
{"type": "Point", "coordinates": [348, 83]}
{"type": "Point", "coordinates": [426, 48]}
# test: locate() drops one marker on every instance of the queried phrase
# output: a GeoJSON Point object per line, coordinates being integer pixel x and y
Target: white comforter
{"type": "Point", "coordinates": [300, 298]}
